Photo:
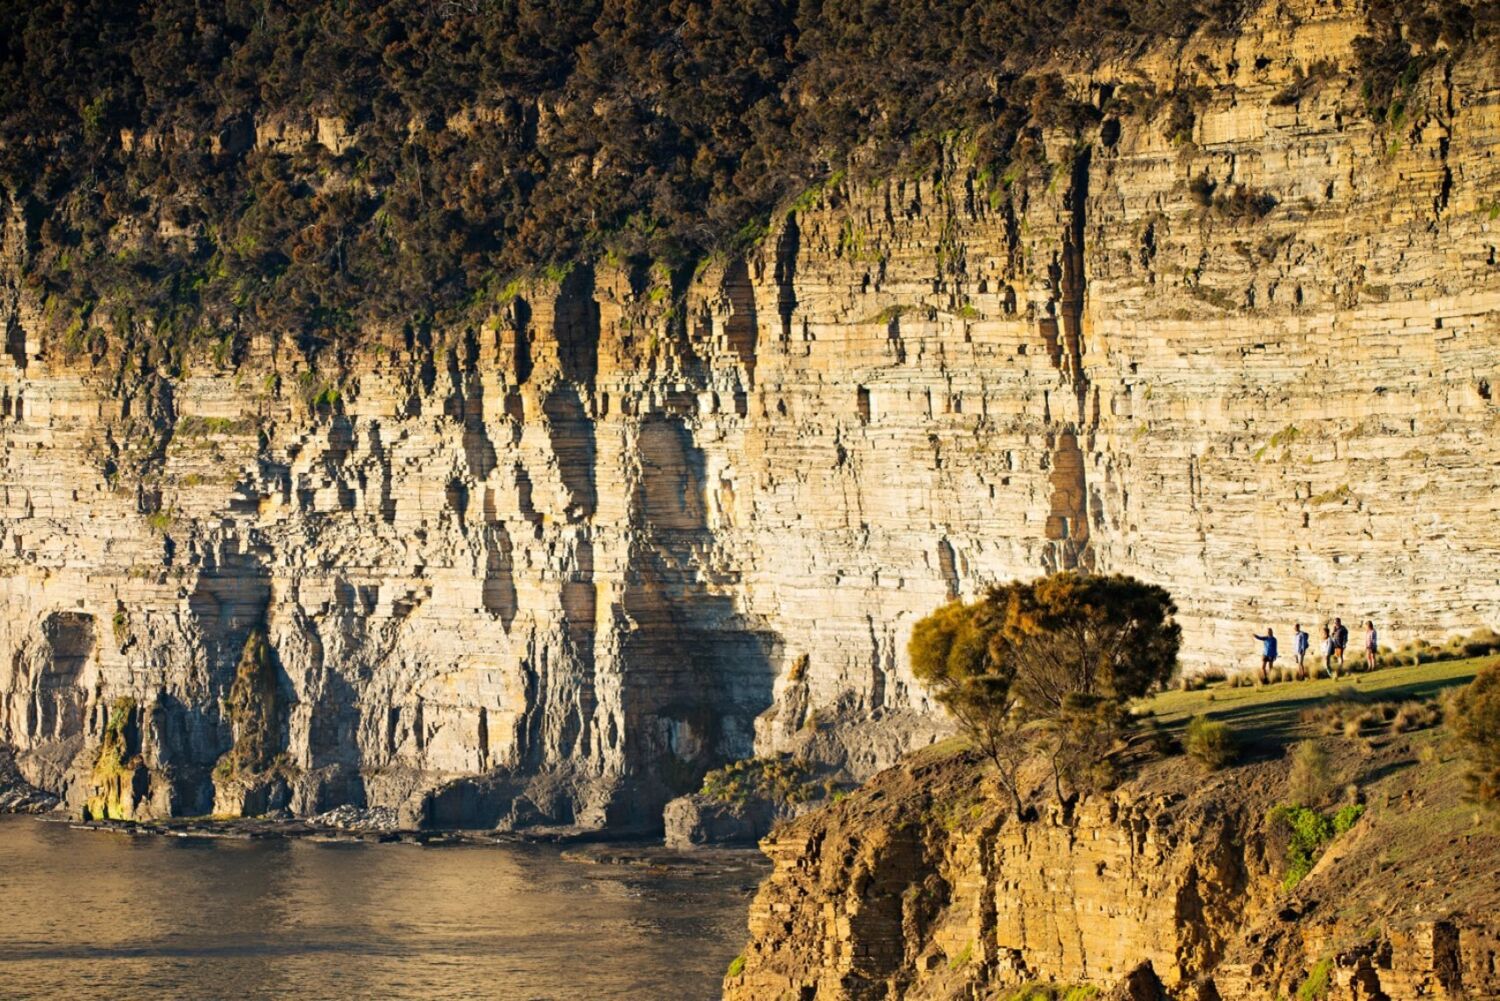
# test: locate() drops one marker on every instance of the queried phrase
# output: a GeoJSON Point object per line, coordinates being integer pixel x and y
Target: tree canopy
{"type": "Point", "coordinates": [1474, 717]}
{"type": "Point", "coordinates": [1047, 666]}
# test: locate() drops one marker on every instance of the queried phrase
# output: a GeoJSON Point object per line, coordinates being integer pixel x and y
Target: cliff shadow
{"type": "Point", "coordinates": [229, 602]}
{"type": "Point", "coordinates": [696, 671]}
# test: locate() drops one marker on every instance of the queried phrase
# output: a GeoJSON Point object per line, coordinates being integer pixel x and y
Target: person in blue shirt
{"type": "Point", "coordinates": [1300, 643]}
{"type": "Point", "coordinates": [1267, 654]}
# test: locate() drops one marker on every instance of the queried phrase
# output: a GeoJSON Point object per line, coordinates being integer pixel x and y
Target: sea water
{"type": "Point", "coordinates": [96, 914]}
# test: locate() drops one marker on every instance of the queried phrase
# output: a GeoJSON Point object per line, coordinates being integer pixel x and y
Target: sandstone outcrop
{"type": "Point", "coordinates": [922, 886]}
{"type": "Point", "coordinates": [554, 567]}
{"type": "Point", "coordinates": [16, 794]}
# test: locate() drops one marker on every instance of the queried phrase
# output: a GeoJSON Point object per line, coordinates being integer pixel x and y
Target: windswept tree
{"type": "Point", "coordinates": [1049, 664]}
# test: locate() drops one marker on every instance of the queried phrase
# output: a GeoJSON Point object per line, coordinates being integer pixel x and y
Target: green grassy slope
{"type": "Point", "coordinates": [1270, 713]}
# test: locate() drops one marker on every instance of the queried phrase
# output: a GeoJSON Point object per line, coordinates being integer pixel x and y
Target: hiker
{"type": "Point", "coordinates": [1267, 654]}
{"type": "Point", "coordinates": [1327, 650]}
{"type": "Point", "coordinates": [1370, 644]}
{"type": "Point", "coordinates": [1340, 641]}
{"type": "Point", "coordinates": [1299, 648]}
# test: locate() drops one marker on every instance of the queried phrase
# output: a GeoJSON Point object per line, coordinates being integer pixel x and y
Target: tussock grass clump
{"type": "Point", "coordinates": [1479, 643]}
{"type": "Point", "coordinates": [1202, 679]}
{"type": "Point", "coordinates": [1416, 716]}
{"type": "Point", "coordinates": [1473, 714]}
{"type": "Point", "coordinates": [1212, 744]}
{"type": "Point", "coordinates": [1351, 715]}
{"type": "Point", "coordinates": [1312, 778]}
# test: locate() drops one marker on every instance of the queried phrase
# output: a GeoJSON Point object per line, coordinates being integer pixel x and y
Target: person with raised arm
{"type": "Point", "coordinates": [1267, 654]}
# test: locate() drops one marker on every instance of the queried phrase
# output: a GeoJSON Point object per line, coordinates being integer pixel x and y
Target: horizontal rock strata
{"type": "Point", "coordinates": [639, 523]}
{"type": "Point", "coordinates": [921, 885]}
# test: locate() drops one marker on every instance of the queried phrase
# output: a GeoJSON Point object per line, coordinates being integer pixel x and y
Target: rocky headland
{"type": "Point", "coordinates": [552, 567]}
{"type": "Point", "coordinates": [1180, 883]}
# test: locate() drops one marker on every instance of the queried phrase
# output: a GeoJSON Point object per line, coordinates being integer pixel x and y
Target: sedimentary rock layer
{"type": "Point", "coordinates": [639, 522]}
{"type": "Point", "coordinates": [922, 885]}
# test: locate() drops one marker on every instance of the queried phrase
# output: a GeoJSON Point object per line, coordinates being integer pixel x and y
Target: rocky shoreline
{"type": "Point", "coordinates": [580, 846]}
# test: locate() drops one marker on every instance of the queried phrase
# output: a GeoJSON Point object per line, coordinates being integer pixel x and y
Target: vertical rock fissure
{"type": "Point", "coordinates": [1067, 525]}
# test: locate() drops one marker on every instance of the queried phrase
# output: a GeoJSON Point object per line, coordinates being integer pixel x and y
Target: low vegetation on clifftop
{"type": "Point", "coordinates": [194, 169]}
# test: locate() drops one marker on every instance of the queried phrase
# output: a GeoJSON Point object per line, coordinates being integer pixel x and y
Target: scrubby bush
{"type": "Point", "coordinates": [781, 779]}
{"type": "Point", "coordinates": [1473, 714]}
{"type": "Point", "coordinates": [1244, 204]}
{"type": "Point", "coordinates": [477, 140]}
{"type": "Point", "coordinates": [474, 140]}
{"type": "Point", "coordinates": [1210, 742]}
{"type": "Point", "coordinates": [1201, 188]}
{"type": "Point", "coordinates": [1405, 38]}
{"type": "Point", "coordinates": [1312, 777]}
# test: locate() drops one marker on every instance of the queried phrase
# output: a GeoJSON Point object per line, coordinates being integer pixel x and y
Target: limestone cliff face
{"type": "Point", "coordinates": [554, 566]}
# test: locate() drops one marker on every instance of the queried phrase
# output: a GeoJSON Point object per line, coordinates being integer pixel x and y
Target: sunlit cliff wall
{"type": "Point", "coordinates": [552, 567]}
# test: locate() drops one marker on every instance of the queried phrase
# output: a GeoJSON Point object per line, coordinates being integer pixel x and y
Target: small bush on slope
{"type": "Point", "coordinates": [1474, 716]}
{"type": "Point", "coordinates": [1312, 778]}
{"type": "Point", "coordinates": [1310, 832]}
{"type": "Point", "coordinates": [1211, 743]}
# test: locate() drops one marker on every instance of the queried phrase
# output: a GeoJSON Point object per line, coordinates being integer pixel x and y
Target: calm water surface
{"type": "Point", "coordinates": [90, 914]}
